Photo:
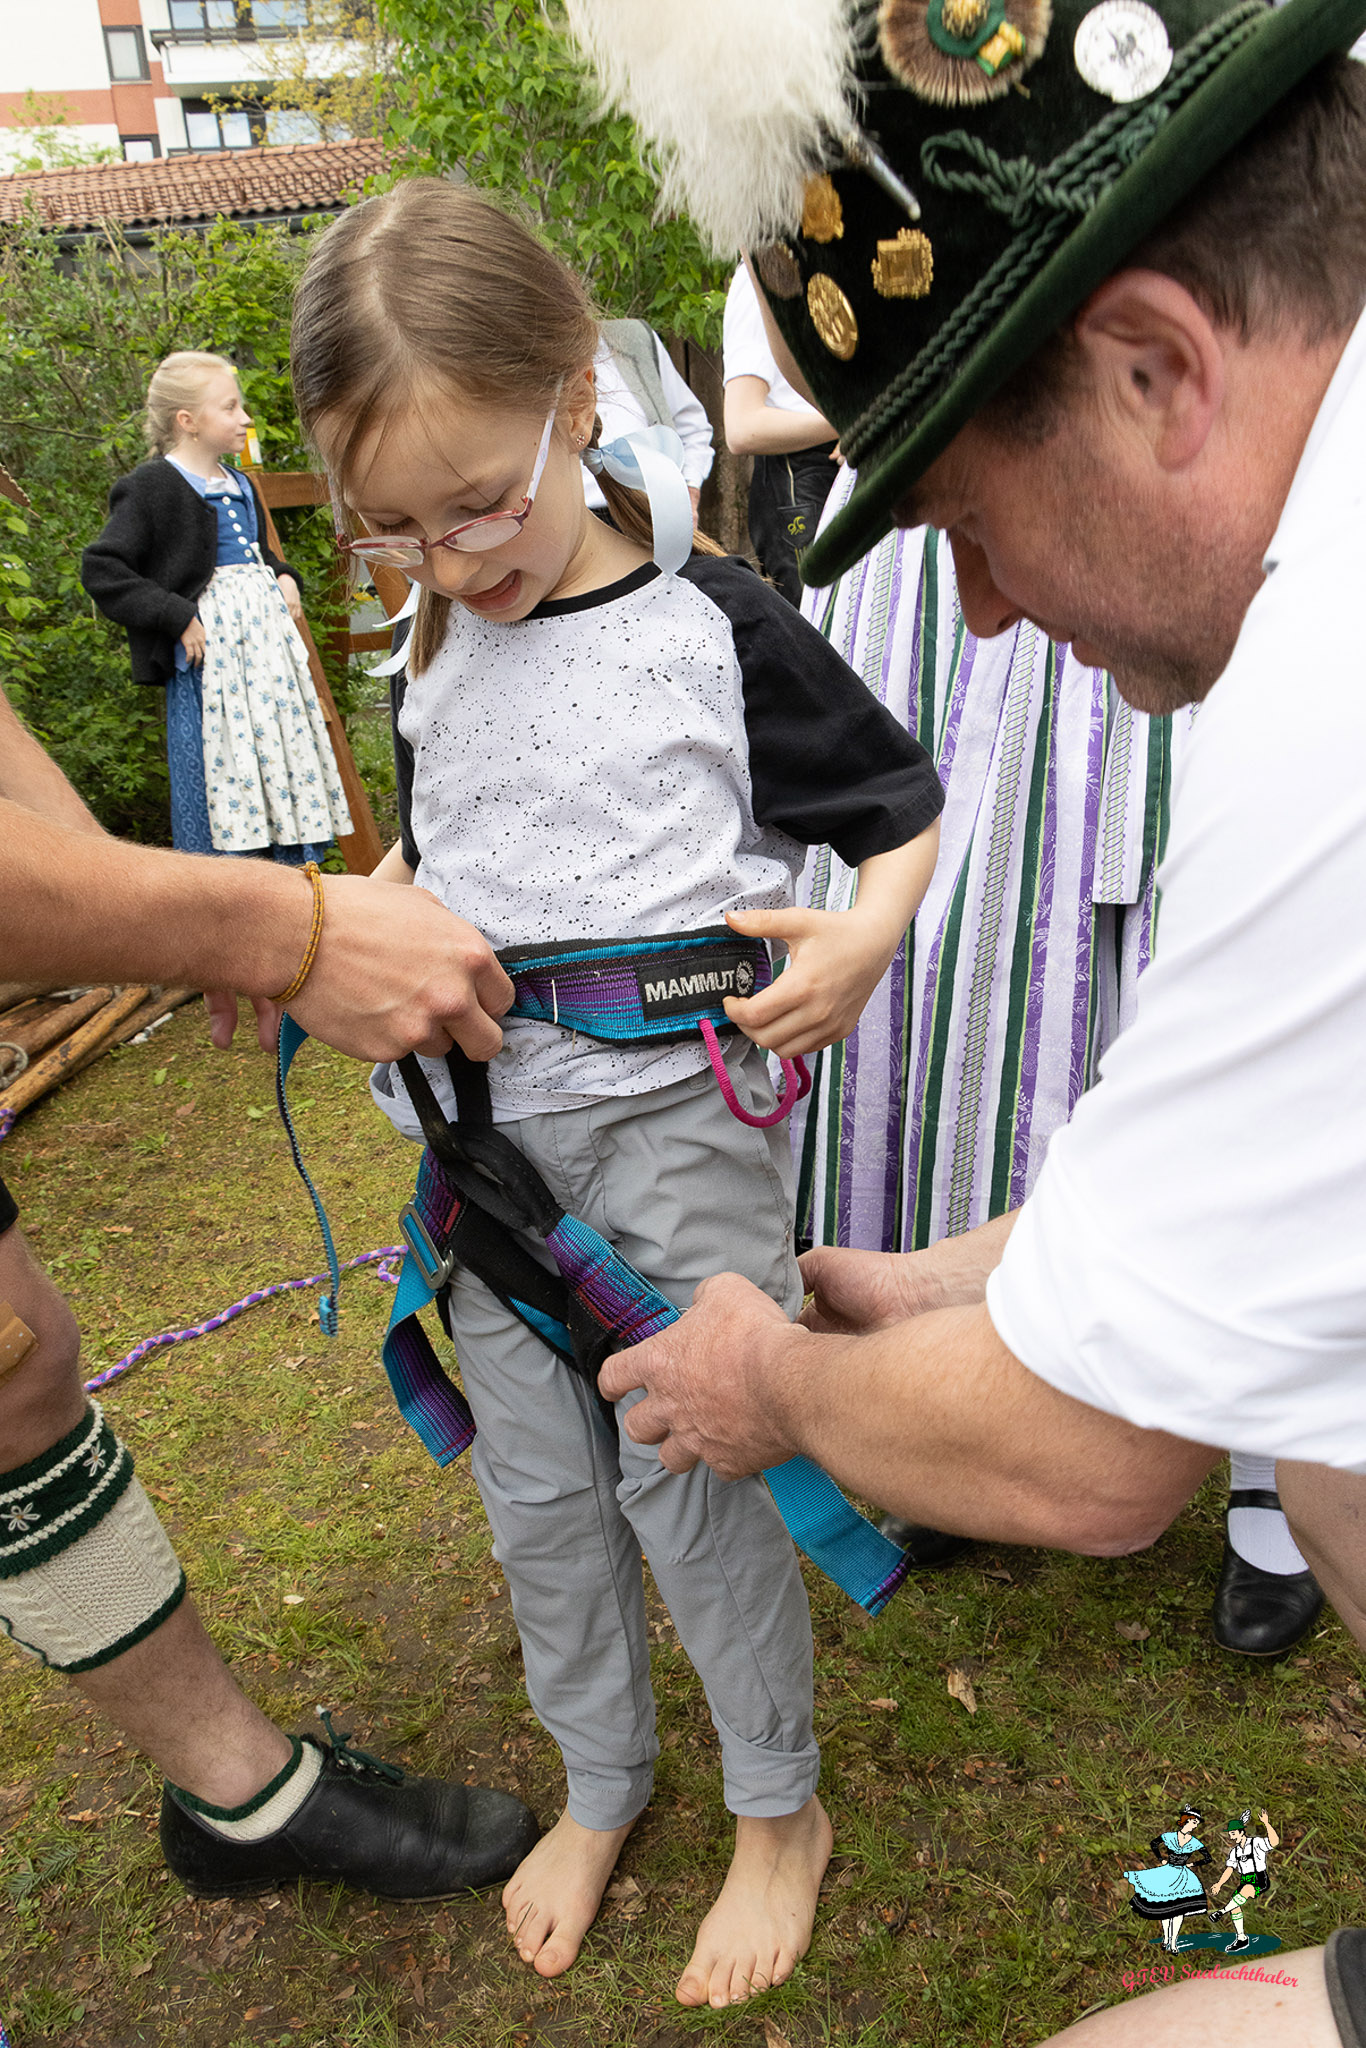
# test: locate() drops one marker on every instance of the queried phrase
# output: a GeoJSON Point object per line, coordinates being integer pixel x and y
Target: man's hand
{"type": "Point", "coordinates": [396, 972]}
{"type": "Point", "coordinates": [194, 642]}
{"type": "Point", "coordinates": [854, 1292]}
{"type": "Point", "coordinates": [714, 1382]}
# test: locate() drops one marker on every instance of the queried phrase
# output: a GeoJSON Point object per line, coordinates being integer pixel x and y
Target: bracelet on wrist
{"type": "Point", "coordinates": [314, 875]}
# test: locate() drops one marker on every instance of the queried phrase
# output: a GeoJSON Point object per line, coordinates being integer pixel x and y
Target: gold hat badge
{"type": "Point", "coordinates": [832, 316]}
{"type": "Point", "coordinates": [956, 53]}
{"type": "Point", "coordinates": [904, 268]}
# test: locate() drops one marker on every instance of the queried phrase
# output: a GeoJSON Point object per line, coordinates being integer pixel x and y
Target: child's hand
{"type": "Point", "coordinates": [194, 642]}
{"type": "Point", "coordinates": [837, 960]}
{"type": "Point", "coordinates": [838, 957]}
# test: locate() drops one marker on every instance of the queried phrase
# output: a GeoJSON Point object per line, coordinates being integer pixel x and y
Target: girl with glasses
{"type": "Point", "coordinates": [590, 748]}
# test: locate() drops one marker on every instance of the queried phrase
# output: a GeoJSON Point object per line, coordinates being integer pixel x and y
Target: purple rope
{"type": "Point", "coordinates": [7, 1118]}
{"type": "Point", "coordinates": [384, 1258]}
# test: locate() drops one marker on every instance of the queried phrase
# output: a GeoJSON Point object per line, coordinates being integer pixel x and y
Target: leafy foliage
{"type": "Point", "coordinates": [494, 91]}
{"type": "Point", "coordinates": [78, 342]}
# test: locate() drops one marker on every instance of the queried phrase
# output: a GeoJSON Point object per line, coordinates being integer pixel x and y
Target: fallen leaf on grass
{"type": "Point", "coordinates": [960, 1688]}
{"type": "Point", "coordinates": [628, 1897]}
{"type": "Point", "coordinates": [883, 1706]}
{"type": "Point", "coordinates": [187, 1108]}
{"type": "Point", "coordinates": [85, 1819]}
{"type": "Point", "coordinates": [14, 1797]}
{"type": "Point", "coordinates": [140, 1969]}
{"type": "Point", "coordinates": [774, 2037]}
{"type": "Point", "coordinates": [294, 1599]}
{"type": "Point", "coordinates": [1132, 1631]}
{"type": "Point", "coordinates": [254, 2012]}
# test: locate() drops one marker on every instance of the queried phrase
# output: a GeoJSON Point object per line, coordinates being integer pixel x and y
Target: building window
{"type": "Point", "coordinates": [208, 127]}
{"type": "Point", "coordinates": [139, 149]}
{"type": "Point", "coordinates": [276, 15]}
{"type": "Point", "coordinates": [199, 17]}
{"type": "Point", "coordinates": [127, 54]}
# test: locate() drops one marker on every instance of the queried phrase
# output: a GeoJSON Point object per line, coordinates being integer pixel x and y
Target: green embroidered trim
{"type": "Point", "coordinates": [252, 1805]}
{"type": "Point", "coordinates": [24, 1478]}
{"type": "Point", "coordinates": [66, 1501]}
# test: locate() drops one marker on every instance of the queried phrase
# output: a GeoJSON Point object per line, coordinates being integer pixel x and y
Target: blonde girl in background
{"type": "Point", "coordinates": [210, 612]}
{"type": "Point", "coordinates": [590, 748]}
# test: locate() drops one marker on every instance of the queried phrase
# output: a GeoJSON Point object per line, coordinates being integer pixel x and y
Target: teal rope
{"type": "Point", "coordinates": [1043, 203]}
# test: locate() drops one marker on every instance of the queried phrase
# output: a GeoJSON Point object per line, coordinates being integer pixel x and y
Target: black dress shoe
{"type": "Point", "coordinates": [924, 1548]}
{"type": "Point", "coordinates": [1263, 1614]}
{"type": "Point", "coordinates": [366, 1824]}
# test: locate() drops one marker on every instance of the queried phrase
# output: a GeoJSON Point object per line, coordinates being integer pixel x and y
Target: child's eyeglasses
{"type": "Point", "coordinates": [403, 551]}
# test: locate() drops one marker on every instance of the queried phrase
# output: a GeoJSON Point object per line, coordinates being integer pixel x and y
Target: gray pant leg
{"type": "Point", "coordinates": [545, 1462]}
{"type": "Point", "coordinates": [687, 1191]}
{"type": "Point", "coordinates": [683, 1190]}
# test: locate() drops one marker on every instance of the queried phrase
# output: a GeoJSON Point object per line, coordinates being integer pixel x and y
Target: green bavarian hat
{"type": "Point", "coordinates": [1028, 202]}
{"type": "Point", "coordinates": [997, 161]}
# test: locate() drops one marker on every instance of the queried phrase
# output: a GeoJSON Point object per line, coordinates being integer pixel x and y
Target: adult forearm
{"type": "Point", "coordinates": [394, 972]}
{"type": "Point", "coordinates": [30, 777]}
{"type": "Point", "coordinates": [933, 1418]}
{"type": "Point", "coordinates": [74, 911]}
{"type": "Point", "coordinates": [937, 1421]}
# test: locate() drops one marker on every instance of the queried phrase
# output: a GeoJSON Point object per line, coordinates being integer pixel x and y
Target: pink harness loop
{"type": "Point", "coordinates": [796, 1083]}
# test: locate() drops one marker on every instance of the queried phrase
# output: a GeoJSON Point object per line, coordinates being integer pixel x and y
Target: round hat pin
{"type": "Point", "coordinates": [1122, 49]}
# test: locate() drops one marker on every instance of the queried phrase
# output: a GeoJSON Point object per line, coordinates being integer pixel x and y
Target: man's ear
{"type": "Point", "coordinates": [1156, 362]}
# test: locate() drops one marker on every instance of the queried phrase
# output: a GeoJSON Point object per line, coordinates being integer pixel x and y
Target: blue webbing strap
{"type": "Point", "coordinates": [291, 1038]}
{"type": "Point", "coordinates": [859, 1559]}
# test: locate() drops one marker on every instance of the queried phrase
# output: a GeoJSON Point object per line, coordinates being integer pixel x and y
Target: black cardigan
{"type": "Point", "coordinates": [150, 566]}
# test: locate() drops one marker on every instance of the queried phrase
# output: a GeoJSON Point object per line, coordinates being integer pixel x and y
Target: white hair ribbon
{"type": "Point", "coordinates": [650, 459]}
{"type": "Point", "coordinates": [392, 663]}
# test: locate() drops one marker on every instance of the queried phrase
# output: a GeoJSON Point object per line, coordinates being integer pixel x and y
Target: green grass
{"type": "Point", "coordinates": [975, 1895]}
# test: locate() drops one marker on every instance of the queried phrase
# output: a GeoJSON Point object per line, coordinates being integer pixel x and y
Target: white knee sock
{"type": "Point", "coordinates": [1260, 1536]}
{"type": "Point", "coordinates": [272, 1808]}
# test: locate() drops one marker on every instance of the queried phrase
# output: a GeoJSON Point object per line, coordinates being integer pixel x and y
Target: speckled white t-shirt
{"type": "Point", "coordinates": [638, 760]}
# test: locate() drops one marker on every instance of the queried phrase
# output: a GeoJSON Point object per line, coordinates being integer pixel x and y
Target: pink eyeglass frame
{"type": "Point", "coordinates": [405, 551]}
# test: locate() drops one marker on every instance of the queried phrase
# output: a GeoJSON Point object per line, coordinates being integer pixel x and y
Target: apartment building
{"type": "Point", "coordinates": [151, 78]}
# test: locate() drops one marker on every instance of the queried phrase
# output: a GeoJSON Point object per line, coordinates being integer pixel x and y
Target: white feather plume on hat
{"type": "Point", "coordinates": [733, 96]}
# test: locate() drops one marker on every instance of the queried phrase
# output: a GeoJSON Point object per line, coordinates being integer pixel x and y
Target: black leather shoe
{"type": "Point", "coordinates": [1263, 1614]}
{"type": "Point", "coordinates": [366, 1824]}
{"type": "Point", "coordinates": [924, 1548]}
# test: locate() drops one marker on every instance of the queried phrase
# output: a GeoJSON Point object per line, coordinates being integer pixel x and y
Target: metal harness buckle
{"type": "Point", "coordinates": [435, 1267]}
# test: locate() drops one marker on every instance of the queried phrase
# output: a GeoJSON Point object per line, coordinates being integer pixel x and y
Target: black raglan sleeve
{"type": "Point", "coordinates": [828, 764]}
{"type": "Point", "coordinates": [403, 752]}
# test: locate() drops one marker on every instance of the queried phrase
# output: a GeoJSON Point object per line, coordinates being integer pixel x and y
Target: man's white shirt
{"type": "Point", "coordinates": [1249, 1858]}
{"type": "Point", "coordinates": [1193, 1257]}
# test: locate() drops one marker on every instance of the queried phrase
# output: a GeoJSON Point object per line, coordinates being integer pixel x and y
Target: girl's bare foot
{"type": "Point", "coordinates": [552, 1897]}
{"type": "Point", "coordinates": [760, 1927]}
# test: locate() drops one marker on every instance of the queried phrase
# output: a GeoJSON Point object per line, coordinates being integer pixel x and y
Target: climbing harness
{"type": "Point", "coordinates": [479, 1200]}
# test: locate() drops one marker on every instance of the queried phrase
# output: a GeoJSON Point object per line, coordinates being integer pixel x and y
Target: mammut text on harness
{"type": "Point", "coordinates": [479, 1204]}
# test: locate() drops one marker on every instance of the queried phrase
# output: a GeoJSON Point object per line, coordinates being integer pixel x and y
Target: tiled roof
{"type": "Point", "coordinates": [294, 178]}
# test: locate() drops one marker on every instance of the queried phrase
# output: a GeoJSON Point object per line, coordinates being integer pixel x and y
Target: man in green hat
{"type": "Point", "coordinates": [1083, 287]}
